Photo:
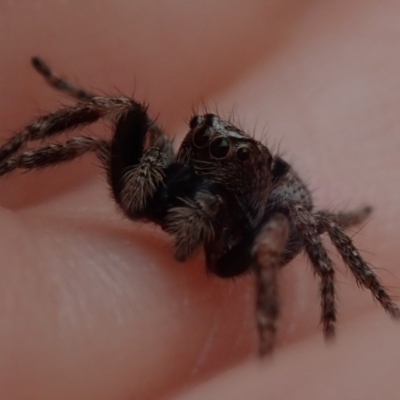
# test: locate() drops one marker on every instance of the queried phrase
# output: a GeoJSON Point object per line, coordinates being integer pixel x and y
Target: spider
{"type": "Point", "coordinates": [223, 190]}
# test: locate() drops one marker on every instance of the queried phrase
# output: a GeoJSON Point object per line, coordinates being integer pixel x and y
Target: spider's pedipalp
{"type": "Point", "coordinates": [267, 252]}
{"type": "Point", "coordinates": [305, 225]}
{"type": "Point", "coordinates": [59, 83]}
{"type": "Point", "coordinates": [57, 153]}
{"type": "Point", "coordinates": [192, 223]}
{"type": "Point", "coordinates": [363, 274]}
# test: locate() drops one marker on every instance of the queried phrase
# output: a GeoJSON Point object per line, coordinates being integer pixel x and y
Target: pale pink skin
{"type": "Point", "coordinates": [93, 306]}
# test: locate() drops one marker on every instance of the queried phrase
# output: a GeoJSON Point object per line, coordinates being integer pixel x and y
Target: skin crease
{"type": "Point", "coordinates": [93, 306]}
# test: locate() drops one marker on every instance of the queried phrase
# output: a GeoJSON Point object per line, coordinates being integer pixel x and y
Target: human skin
{"type": "Point", "coordinates": [93, 306]}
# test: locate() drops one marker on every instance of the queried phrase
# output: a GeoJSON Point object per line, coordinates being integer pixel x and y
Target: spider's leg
{"type": "Point", "coordinates": [138, 163]}
{"type": "Point", "coordinates": [267, 251]}
{"type": "Point", "coordinates": [136, 185]}
{"type": "Point", "coordinates": [58, 153]}
{"type": "Point", "coordinates": [155, 135]}
{"type": "Point", "coordinates": [305, 225]}
{"type": "Point", "coordinates": [345, 219]}
{"type": "Point", "coordinates": [66, 119]}
{"type": "Point", "coordinates": [363, 274]}
{"type": "Point", "coordinates": [59, 83]}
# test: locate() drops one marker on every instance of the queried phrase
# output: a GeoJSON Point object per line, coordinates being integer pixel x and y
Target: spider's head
{"type": "Point", "coordinates": [227, 155]}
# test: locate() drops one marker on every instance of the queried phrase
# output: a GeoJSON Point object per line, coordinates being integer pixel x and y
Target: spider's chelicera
{"type": "Point", "coordinates": [223, 190]}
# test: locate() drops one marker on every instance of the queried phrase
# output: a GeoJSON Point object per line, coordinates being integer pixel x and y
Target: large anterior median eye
{"type": "Point", "coordinates": [219, 147]}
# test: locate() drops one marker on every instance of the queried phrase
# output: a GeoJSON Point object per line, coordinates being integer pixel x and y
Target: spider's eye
{"type": "Point", "coordinates": [201, 137]}
{"type": "Point", "coordinates": [219, 147]}
{"type": "Point", "coordinates": [243, 153]}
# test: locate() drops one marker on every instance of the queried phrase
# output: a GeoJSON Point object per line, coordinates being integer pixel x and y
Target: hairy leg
{"type": "Point", "coordinates": [141, 152]}
{"type": "Point", "coordinates": [66, 119]}
{"type": "Point", "coordinates": [57, 153]}
{"type": "Point", "coordinates": [305, 225]}
{"type": "Point", "coordinates": [267, 250]}
{"type": "Point", "coordinates": [364, 275]}
{"type": "Point", "coordinates": [141, 181]}
{"type": "Point", "coordinates": [59, 83]}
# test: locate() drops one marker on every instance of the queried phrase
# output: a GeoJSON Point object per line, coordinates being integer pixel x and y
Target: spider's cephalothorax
{"type": "Point", "coordinates": [223, 190]}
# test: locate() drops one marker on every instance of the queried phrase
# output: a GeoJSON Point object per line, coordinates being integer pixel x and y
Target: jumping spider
{"type": "Point", "coordinates": [223, 190]}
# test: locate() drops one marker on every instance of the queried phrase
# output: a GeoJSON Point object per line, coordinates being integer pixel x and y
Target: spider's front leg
{"type": "Point", "coordinates": [267, 252]}
{"type": "Point", "coordinates": [67, 119]}
{"type": "Point", "coordinates": [88, 110]}
{"type": "Point", "coordinates": [140, 155]}
{"type": "Point", "coordinates": [59, 83]}
{"type": "Point", "coordinates": [235, 250]}
{"type": "Point", "coordinates": [57, 153]}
